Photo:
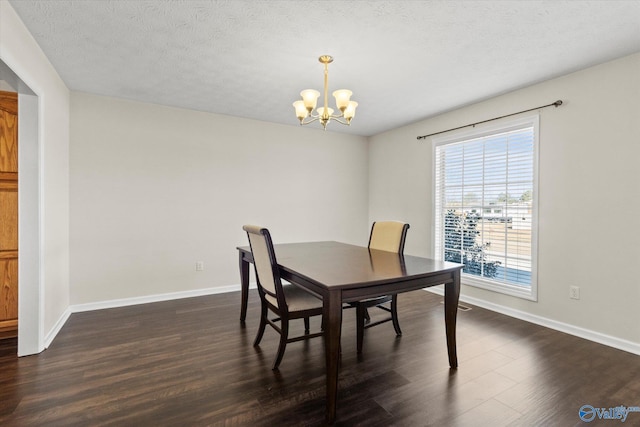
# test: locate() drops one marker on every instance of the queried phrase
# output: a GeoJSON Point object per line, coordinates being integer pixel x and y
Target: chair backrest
{"type": "Point", "coordinates": [388, 236]}
{"type": "Point", "coordinates": [266, 267]}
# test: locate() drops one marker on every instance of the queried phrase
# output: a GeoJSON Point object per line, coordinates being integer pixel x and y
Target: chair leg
{"type": "Point", "coordinates": [262, 326]}
{"type": "Point", "coordinates": [306, 325]}
{"type": "Point", "coordinates": [284, 334]}
{"type": "Point", "coordinates": [367, 318]}
{"type": "Point", "coordinates": [360, 316]}
{"type": "Point", "coordinates": [394, 314]}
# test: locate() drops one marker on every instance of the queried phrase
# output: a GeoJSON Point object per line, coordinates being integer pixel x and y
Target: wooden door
{"type": "Point", "coordinates": [8, 214]}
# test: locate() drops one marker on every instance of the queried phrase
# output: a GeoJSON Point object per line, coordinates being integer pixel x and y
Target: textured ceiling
{"type": "Point", "coordinates": [403, 60]}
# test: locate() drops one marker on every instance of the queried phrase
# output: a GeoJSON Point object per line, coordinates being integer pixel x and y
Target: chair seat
{"type": "Point", "coordinates": [298, 299]}
{"type": "Point", "coordinates": [370, 302]}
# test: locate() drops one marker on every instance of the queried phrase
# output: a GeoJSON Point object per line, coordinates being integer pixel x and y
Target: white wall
{"type": "Point", "coordinates": [588, 193]}
{"type": "Point", "coordinates": [155, 189]}
{"type": "Point", "coordinates": [49, 291]}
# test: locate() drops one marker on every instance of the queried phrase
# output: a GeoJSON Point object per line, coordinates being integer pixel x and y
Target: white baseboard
{"type": "Point", "coordinates": [124, 302]}
{"type": "Point", "coordinates": [56, 328]}
{"type": "Point", "coordinates": [577, 331]}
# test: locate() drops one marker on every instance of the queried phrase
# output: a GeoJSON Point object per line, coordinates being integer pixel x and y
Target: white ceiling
{"type": "Point", "coordinates": [403, 60]}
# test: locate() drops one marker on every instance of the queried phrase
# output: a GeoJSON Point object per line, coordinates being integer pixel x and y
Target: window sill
{"type": "Point", "coordinates": [528, 293]}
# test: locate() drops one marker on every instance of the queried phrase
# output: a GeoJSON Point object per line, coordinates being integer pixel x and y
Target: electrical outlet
{"type": "Point", "coordinates": [199, 265]}
{"type": "Point", "coordinates": [574, 292]}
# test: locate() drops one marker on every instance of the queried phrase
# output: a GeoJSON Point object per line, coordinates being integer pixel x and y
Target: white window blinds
{"type": "Point", "coordinates": [485, 206]}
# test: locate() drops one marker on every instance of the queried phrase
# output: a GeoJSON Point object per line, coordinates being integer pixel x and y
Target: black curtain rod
{"type": "Point", "coordinates": [555, 104]}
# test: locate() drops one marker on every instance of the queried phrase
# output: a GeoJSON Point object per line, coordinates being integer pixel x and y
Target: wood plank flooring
{"type": "Point", "coordinates": [190, 362]}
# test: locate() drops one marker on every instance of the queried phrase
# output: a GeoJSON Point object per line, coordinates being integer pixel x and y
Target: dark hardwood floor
{"type": "Point", "coordinates": [190, 362]}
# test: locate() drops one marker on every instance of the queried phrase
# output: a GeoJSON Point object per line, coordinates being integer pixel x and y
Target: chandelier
{"type": "Point", "coordinates": [305, 106]}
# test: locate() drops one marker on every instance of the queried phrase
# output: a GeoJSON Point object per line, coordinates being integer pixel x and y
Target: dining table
{"type": "Point", "coordinates": [339, 273]}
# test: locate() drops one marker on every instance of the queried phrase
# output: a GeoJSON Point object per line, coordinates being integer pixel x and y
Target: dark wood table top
{"type": "Point", "coordinates": [334, 265]}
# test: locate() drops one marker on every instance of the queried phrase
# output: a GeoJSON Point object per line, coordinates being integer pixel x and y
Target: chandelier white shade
{"type": "Point", "coordinates": [305, 106]}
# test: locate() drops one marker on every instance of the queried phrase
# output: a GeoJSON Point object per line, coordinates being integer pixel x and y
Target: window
{"type": "Point", "coordinates": [486, 205]}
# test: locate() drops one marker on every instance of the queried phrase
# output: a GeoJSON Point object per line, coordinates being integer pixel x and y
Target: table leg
{"type": "Point", "coordinates": [244, 284]}
{"type": "Point", "coordinates": [451, 298]}
{"type": "Point", "coordinates": [332, 304]}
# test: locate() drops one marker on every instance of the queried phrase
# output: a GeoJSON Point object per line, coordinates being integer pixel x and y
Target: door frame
{"type": "Point", "coordinates": [30, 217]}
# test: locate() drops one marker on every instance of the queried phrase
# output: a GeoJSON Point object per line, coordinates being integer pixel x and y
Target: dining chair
{"type": "Point", "coordinates": [386, 236]}
{"type": "Point", "coordinates": [287, 302]}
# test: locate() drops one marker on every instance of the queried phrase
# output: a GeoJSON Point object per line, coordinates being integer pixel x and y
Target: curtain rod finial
{"type": "Point", "coordinates": [558, 103]}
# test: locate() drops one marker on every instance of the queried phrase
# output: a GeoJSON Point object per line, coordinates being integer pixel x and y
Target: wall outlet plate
{"type": "Point", "coordinates": [574, 292]}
